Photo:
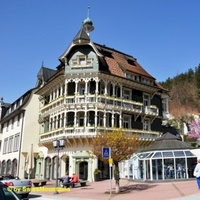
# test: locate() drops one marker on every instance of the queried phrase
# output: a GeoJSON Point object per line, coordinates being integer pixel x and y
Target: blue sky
{"type": "Point", "coordinates": [164, 35]}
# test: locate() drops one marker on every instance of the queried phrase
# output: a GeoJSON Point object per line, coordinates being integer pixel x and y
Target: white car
{"type": "Point", "coordinates": [20, 186]}
{"type": "Point", "coordinates": [6, 193]}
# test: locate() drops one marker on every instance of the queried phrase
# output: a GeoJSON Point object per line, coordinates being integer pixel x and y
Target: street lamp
{"type": "Point", "coordinates": [58, 145]}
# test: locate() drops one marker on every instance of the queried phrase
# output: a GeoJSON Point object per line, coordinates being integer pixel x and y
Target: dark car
{"type": "Point", "coordinates": [7, 194]}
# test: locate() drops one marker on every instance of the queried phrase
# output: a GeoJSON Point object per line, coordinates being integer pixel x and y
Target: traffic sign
{"type": "Point", "coordinates": [106, 152]}
{"type": "Point", "coordinates": [110, 161]}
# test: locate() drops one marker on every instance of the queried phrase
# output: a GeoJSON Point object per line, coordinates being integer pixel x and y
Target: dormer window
{"type": "Point", "coordinates": [81, 61]}
{"type": "Point", "coordinates": [130, 60]}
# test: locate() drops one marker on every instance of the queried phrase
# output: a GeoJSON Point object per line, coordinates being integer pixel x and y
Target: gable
{"type": "Point", "coordinates": [82, 59]}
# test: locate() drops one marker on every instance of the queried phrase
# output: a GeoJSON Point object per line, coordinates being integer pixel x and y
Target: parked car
{"type": "Point", "coordinates": [20, 186]}
{"type": "Point", "coordinates": [7, 194]}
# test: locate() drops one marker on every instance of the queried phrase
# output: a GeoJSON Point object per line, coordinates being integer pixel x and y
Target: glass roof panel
{"type": "Point", "coordinates": [143, 155]}
{"type": "Point", "coordinates": [149, 156]}
{"type": "Point", "coordinates": [188, 153]}
{"type": "Point", "coordinates": [167, 154]}
{"type": "Point", "coordinates": [157, 155]}
{"type": "Point", "coordinates": [179, 154]}
{"type": "Point", "coordinates": [163, 154]}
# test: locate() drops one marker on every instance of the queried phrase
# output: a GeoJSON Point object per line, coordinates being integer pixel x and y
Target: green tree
{"type": "Point", "coordinates": [122, 145]}
{"type": "Point", "coordinates": [167, 84]}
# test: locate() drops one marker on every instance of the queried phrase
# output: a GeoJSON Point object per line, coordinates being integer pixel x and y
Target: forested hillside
{"type": "Point", "coordinates": [184, 92]}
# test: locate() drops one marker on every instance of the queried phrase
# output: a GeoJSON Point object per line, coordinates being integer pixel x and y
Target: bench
{"type": "Point", "coordinates": [80, 183]}
{"type": "Point", "coordinates": [38, 183]}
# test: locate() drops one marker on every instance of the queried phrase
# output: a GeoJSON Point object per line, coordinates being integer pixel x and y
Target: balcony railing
{"type": "Point", "coordinates": [151, 110]}
{"type": "Point", "coordinates": [76, 132]}
{"type": "Point", "coordinates": [100, 101]}
{"type": "Point", "coordinates": [54, 101]}
{"type": "Point", "coordinates": [104, 101]}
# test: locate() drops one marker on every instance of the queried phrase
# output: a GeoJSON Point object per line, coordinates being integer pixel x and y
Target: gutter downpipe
{"type": "Point", "coordinates": [20, 145]}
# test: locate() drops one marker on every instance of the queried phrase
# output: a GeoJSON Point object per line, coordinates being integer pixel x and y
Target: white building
{"type": "Point", "coordinates": [19, 129]}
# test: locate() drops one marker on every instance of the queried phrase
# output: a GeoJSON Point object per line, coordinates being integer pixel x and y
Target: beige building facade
{"type": "Point", "coordinates": [19, 129]}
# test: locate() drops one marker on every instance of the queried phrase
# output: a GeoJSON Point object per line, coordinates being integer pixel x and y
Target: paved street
{"type": "Point", "coordinates": [176, 190]}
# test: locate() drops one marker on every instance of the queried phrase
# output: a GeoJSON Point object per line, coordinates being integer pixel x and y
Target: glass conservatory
{"type": "Point", "coordinates": [166, 158]}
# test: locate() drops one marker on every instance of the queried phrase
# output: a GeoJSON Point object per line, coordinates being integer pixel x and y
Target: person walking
{"type": "Point", "coordinates": [196, 173]}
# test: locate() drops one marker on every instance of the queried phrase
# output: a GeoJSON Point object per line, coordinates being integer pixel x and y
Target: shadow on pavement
{"type": "Point", "coordinates": [32, 196]}
{"type": "Point", "coordinates": [136, 187]}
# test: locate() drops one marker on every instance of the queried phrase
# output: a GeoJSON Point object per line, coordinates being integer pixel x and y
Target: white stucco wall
{"type": "Point", "coordinates": [27, 128]}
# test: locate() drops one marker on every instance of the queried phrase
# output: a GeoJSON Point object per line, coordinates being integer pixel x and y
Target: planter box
{"type": "Point", "coordinates": [97, 177]}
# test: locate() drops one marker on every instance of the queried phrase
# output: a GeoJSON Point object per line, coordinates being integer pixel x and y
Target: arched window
{"type": "Point", "coordinates": [8, 167]}
{"type": "Point", "coordinates": [3, 168]}
{"type": "Point", "coordinates": [14, 167]}
{"type": "Point", "coordinates": [48, 168]}
{"type": "Point", "coordinates": [55, 162]}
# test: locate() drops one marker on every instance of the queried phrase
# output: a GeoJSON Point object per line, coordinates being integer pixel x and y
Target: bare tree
{"type": "Point", "coordinates": [183, 101]}
{"type": "Point", "coordinates": [122, 145]}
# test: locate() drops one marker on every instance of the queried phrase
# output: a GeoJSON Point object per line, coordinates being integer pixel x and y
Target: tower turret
{"type": "Point", "coordinates": [87, 23]}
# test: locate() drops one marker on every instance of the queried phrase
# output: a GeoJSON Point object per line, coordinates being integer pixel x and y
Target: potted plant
{"type": "Point", "coordinates": [97, 173]}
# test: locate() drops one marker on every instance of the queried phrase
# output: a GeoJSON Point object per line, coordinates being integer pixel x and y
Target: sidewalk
{"type": "Point", "coordinates": [183, 190]}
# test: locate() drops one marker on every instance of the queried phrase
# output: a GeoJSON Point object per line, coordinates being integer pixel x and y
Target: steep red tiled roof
{"type": "Point", "coordinates": [136, 68]}
{"type": "Point", "coordinates": [118, 61]}
{"type": "Point", "coordinates": [114, 67]}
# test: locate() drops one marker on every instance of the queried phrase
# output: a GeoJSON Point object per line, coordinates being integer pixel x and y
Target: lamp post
{"type": "Point", "coordinates": [58, 145]}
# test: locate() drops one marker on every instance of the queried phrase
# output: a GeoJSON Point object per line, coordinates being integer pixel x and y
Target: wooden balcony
{"type": "Point", "coordinates": [92, 101]}
{"type": "Point", "coordinates": [151, 110]}
{"type": "Point", "coordinates": [83, 134]}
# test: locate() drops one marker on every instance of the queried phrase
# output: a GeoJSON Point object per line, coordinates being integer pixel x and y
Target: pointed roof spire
{"type": "Point", "coordinates": [87, 23]}
{"type": "Point", "coordinates": [81, 37]}
{"type": "Point", "coordinates": [88, 14]}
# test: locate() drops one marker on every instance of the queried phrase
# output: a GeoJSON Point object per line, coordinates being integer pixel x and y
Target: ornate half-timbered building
{"type": "Point", "coordinates": [94, 89]}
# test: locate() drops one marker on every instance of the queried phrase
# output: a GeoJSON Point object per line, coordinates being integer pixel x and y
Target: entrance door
{"type": "Point", "coordinates": [83, 170]}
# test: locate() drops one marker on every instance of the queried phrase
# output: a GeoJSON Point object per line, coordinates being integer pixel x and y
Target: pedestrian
{"type": "Point", "coordinates": [179, 171]}
{"type": "Point", "coordinates": [171, 171]}
{"type": "Point", "coordinates": [65, 180]}
{"type": "Point", "coordinates": [165, 171]}
{"type": "Point", "coordinates": [74, 179]}
{"type": "Point", "coordinates": [196, 173]}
